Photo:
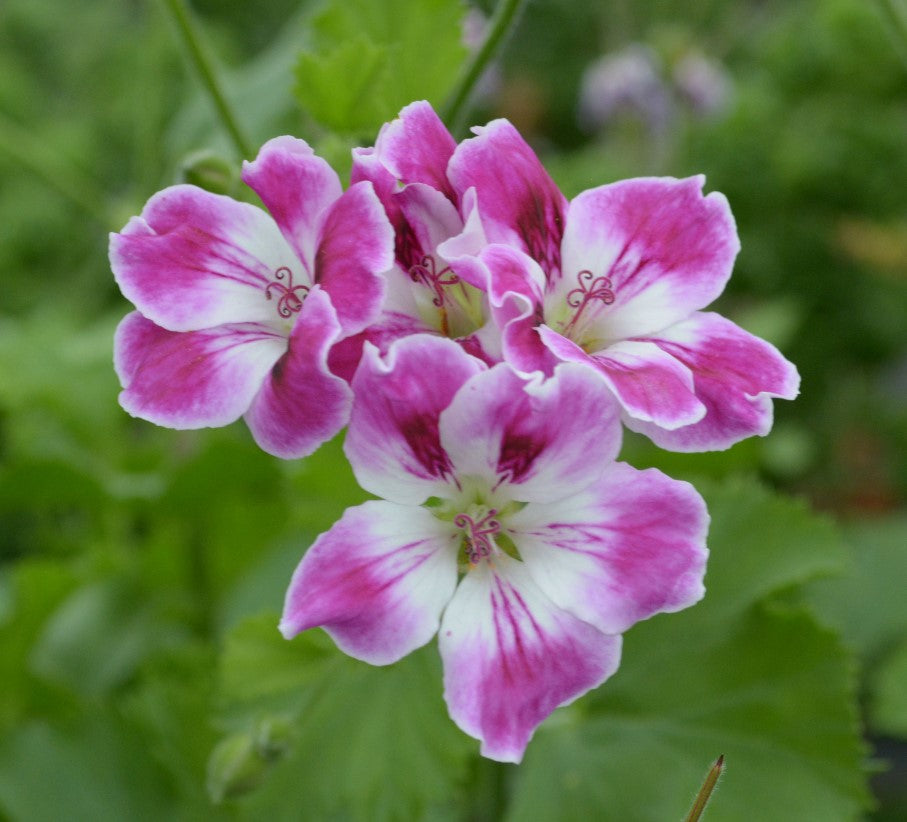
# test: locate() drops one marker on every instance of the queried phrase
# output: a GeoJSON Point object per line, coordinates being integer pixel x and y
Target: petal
{"type": "Point", "coordinates": [376, 582]}
{"type": "Point", "coordinates": [535, 439]}
{"type": "Point", "coordinates": [666, 249]}
{"type": "Point", "coordinates": [519, 202]}
{"type": "Point", "coordinates": [297, 188]}
{"type": "Point", "coordinates": [192, 379]}
{"type": "Point", "coordinates": [649, 383]}
{"type": "Point", "coordinates": [515, 292]}
{"type": "Point", "coordinates": [629, 546]}
{"type": "Point", "coordinates": [356, 246]}
{"type": "Point", "coordinates": [416, 147]}
{"type": "Point", "coordinates": [302, 404]}
{"type": "Point", "coordinates": [430, 215]}
{"type": "Point", "coordinates": [393, 443]}
{"type": "Point", "coordinates": [511, 656]}
{"type": "Point", "coordinates": [735, 375]}
{"type": "Point", "coordinates": [196, 260]}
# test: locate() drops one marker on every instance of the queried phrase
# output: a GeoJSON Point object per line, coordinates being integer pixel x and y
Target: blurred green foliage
{"type": "Point", "coordinates": [141, 569]}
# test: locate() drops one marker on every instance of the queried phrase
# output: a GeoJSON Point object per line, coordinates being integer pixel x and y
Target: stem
{"type": "Point", "coordinates": [897, 17]}
{"type": "Point", "coordinates": [21, 146]}
{"type": "Point", "coordinates": [501, 22]}
{"type": "Point", "coordinates": [205, 69]}
{"type": "Point", "coordinates": [705, 792]}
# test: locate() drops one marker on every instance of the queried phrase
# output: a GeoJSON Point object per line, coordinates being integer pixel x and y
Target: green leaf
{"type": "Point", "coordinates": [739, 674]}
{"type": "Point", "coordinates": [888, 703]}
{"type": "Point", "coordinates": [866, 605]}
{"type": "Point", "coordinates": [368, 743]}
{"type": "Point", "coordinates": [369, 58]}
{"type": "Point", "coordinates": [96, 771]}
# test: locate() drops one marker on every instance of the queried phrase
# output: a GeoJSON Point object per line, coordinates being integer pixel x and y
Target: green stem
{"type": "Point", "coordinates": [205, 69]}
{"type": "Point", "coordinates": [21, 146]}
{"type": "Point", "coordinates": [502, 21]}
{"type": "Point", "coordinates": [705, 792]}
{"type": "Point", "coordinates": [897, 17]}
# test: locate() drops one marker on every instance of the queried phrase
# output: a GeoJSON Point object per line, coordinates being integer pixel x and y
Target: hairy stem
{"type": "Point", "coordinates": [705, 792]}
{"type": "Point", "coordinates": [502, 22]}
{"type": "Point", "coordinates": [205, 69]}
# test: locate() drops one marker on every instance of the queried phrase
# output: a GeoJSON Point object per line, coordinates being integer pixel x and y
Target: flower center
{"type": "Point", "coordinates": [590, 289]}
{"type": "Point", "coordinates": [478, 533]}
{"type": "Point", "coordinates": [426, 273]}
{"type": "Point", "coordinates": [290, 297]}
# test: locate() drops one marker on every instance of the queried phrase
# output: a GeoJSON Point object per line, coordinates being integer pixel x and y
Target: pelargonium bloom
{"type": "Point", "coordinates": [505, 526]}
{"type": "Point", "coordinates": [408, 167]}
{"type": "Point", "coordinates": [616, 279]}
{"type": "Point", "coordinates": [238, 310]}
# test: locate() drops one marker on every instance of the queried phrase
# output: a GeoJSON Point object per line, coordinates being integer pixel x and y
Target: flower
{"type": "Point", "coordinates": [408, 167]}
{"type": "Point", "coordinates": [616, 279]}
{"type": "Point", "coordinates": [505, 526]}
{"type": "Point", "coordinates": [238, 310]}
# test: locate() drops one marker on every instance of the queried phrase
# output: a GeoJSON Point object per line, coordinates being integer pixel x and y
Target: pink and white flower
{"type": "Point", "coordinates": [238, 310]}
{"type": "Point", "coordinates": [505, 526]}
{"type": "Point", "coordinates": [616, 280]}
{"type": "Point", "coordinates": [408, 167]}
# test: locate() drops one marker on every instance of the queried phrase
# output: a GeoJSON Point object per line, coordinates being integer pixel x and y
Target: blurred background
{"type": "Point", "coordinates": [127, 551]}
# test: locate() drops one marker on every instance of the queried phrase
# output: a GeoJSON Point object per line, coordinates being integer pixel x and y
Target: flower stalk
{"type": "Point", "coordinates": [502, 21]}
{"type": "Point", "coordinates": [205, 68]}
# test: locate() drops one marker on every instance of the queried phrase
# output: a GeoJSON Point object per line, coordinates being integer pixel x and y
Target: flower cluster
{"type": "Point", "coordinates": [485, 340]}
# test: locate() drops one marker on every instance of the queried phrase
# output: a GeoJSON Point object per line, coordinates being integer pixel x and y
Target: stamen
{"type": "Point", "coordinates": [478, 536]}
{"type": "Point", "coordinates": [590, 288]}
{"type": "Point", "coordinates": [426, 272]}
{"type": "Point", "coordinates": [289, 302]}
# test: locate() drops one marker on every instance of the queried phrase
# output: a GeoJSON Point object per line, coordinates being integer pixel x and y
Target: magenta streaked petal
{"type": "Point", "coordinates": [666, 250]}
{"type": "Point", "coordinates": [534, 439]}
{"type": "Point", "coordinates": [416, 147]}
{"type": "Point", "coordinates": [515, 295]}
{"type": "Point", "coordinates": [460, 249]}
{"type": "Point", "coordinates": [376, 582]}
{"type": "Point", "coordinates": [629, 546]}
{"type": "Point", "coordinates": [431, 216]}
{"type": "Point", "coordinates": [356, 245]}
{"type": "Point", "coordinates": [519, 202]}
{"type": "Point", "coordinates": [511, 656]}
{"type": "Point", "coordinates": [735, 375]}
{"type": "Point", "coordinates": [393, 443]}
{"type": "Point", "coordinates": [650, 384]}
{"type": "Point", "coordinates": [196, 260]}
{"type": "Point", "coordinates": [345, 355]}
{"type": "Point", "coordinates": [297, 187]}
{"type": "Point", "coordinates": [192, 379]}
{"type": "Point", "coordinates": [302, 404]}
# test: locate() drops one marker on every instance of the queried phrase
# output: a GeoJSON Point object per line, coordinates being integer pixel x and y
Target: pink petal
{"type": "Point", "coordinates": [629, 546]}
{"type": "Point", "coordinates": [196, 260]}
{"type": "Point", "coordinates": [376, 582]}
{"type": "Point", "coordinates": [735, 375]}
{"type": "Point", "coordinates": [297, 188]}
{"type": "Point", "coordinates": [302, 404]}
{"type": "Point", "coordinates": [515, 295]}
{"type": "Point", "coordinates": [649, 384]}
{"type": "Point", "coordinates": [416, 147]}
{"type": "Point", "coordinates": [519, 203]}
{"type": "Point", "coordinates": [511, 656]}
{"type": "Point", "coordinates": [535, 439]}
{"type": "Point", "coordinates": [356, 245]}
{"type": "Point", "coordinates": [192, 379]}
{"type": "Point", "coordinates": [393, 443]}
{"type": "Point", "coordinates": [666, 250]}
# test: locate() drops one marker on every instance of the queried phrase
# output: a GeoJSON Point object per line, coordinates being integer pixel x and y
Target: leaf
{"type": "Point", "coordinates": [368, 743]}
{"type": "Point", "coordinates": [866, 605]}
{"type": "Point", "coordinates": [739, 674]}
{"type": "Point", "coordinates": [369, 58]}
{"type": "Point", "coordinates": [93, 772]}
{"type": "Point", "coordinates": [888, 703]}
